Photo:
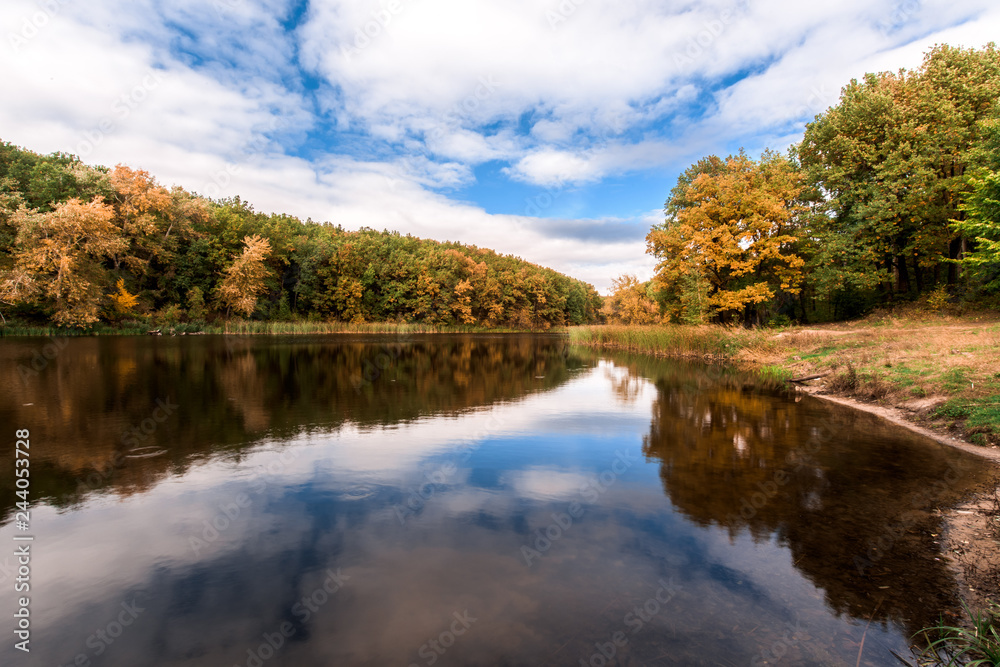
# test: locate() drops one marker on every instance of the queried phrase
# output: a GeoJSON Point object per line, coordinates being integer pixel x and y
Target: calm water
{"type": "Point", "coordinates": [456, 500]}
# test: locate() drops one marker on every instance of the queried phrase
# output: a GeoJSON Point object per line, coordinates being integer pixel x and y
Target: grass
{"type": "Point", "coordinates": [249, 328]}
{"type": "Point", "coordinates": [669, 340]}
{"type": "Point", "coordinates": [977, 645]}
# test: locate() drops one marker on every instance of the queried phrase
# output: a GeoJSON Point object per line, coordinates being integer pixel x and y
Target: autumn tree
{"type": "Point", "coordinates": [175, 248]}
{"type": "Point", "coordinates": [122, 302]}
{"type": "Point", "coordinates": [58, 261]}
{"type": "Point", "coordinates": [729, 242]}
{"type": "Point", "coordinates": [245, 278]}
{"type": "Point", "coordinates": [629, 302]}
{"type": "Point", "coordinates": [142, 209]}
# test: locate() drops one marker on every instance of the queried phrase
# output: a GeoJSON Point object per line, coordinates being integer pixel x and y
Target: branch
{"type": "Point", "coordinates": [808, 377]}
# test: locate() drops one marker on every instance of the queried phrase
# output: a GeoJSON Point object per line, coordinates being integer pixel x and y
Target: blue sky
{"type": "Point", "coordinates": [549, 129]}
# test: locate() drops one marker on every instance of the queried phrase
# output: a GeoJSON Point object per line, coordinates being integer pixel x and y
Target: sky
{"type": "Point", "coordinates": [548, 129]}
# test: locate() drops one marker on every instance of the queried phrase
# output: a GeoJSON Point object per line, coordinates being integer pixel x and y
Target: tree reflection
{"type": "Point", "coordinates": [92, 410]}
{"type": "Point", "coordinates": [852, 497]}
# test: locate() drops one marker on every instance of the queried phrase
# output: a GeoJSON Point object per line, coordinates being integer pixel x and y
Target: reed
{"type": "Point", "coordinates": [713, 341]}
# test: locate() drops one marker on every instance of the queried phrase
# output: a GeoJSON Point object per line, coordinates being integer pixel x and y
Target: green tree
{"type": "Point", "coordinates": [196, 304]}
{"type": "Point", "coordinates": [887, 168]}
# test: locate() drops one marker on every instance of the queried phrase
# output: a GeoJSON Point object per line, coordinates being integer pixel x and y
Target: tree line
{"type": "Point", "coordinates": [81, 245]}
{"type": "Point", "coordinates": [891, 195]}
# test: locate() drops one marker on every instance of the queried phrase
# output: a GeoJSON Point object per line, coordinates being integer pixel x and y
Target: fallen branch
{"type": "Point", "coordinates": [808, 377]}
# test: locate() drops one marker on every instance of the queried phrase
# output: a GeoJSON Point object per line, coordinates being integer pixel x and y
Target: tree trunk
{"type": "Point", "coordinates": [954, 250]}
{"type": "Point", "coordinates": [902, 275]}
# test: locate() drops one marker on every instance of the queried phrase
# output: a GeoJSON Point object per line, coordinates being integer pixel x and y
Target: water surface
{"type": "Point", "coordinates": [459, 500]}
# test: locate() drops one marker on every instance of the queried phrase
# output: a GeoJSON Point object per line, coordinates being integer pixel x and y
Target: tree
{"type": "Point", "coordinates": [888, 169]}
{"type": "Point", "coordinates": [244, 280]}
{"type": "Point", "coordinates": [57, 264]}
{"type": "Point", "coordinates": [629, 302]}
{"type": "Point", "coordinates": [123, 302]}
{"type": "Point", "coordinates": [196, 304]}
{"type": "Point", "coordinates": [730, 245]}
{"type": "Point", "coordinates": [982, 226]}
{"type": "Point", "coordinates": [143, 208]}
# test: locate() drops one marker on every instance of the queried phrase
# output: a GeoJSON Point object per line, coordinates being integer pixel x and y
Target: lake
{"type": "Point", "coordinates": [457, 500]}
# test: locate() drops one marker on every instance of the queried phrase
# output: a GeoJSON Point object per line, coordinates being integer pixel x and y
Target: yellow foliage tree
{"type": "Point", "coordinates": [736, 227]}
{"type": "Point", "coordinates": [122, 301]}
{"type": "Point", "coordinates": [143, 208]}
{"type": "Point", "coordinates": [629, 303]}
{"type": "Point", "coordinates": [245, 278]}
{"type": "Point", "coordinates": [58, 259]}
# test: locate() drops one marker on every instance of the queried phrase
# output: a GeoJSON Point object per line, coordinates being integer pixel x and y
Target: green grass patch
{"type": "Point", "coordinates": [979, 413]}
{"type": "Point", "coordinates": [955, 378]}
{"type": "Point", "coordinates": [821, 353]}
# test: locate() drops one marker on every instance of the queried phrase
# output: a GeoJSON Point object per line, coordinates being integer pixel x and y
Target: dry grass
{"type": "Point", "coordinates": [948, 368]}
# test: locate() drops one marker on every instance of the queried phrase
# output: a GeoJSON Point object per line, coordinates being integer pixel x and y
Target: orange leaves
{"type": "Point", "coordinates": [139, 202]}
{"type": "Point", "coordinates": [731, 225]}
{"type": "Point", "coordinates": [245, 278]}
{"type": "Point", "coordinates": [58, 259]}
{"type": "Point", "coordinates": [629, 303]}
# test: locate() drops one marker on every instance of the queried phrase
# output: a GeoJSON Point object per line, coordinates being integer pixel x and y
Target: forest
{"type": "Point", "coordinates": [892, 195]}
{"type": "Point", "coordinates": [82, 246]}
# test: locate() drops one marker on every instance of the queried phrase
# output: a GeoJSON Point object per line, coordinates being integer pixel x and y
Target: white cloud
{"type": "Point", "coordinates": [608, 89]}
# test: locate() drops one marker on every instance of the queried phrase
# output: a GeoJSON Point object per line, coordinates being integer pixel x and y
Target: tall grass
{"type": "Point", "coordinates": [669, 340]}
{"type": "Point", "coordinates": [249, 328]}
{"type": "Point", "coordinates": [974, 646]}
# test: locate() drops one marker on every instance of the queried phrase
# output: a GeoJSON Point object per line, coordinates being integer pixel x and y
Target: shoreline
{"type": "Point", "coordinates": [904, 418]}
{"type": "Point", "coordinates": [970, 540]}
